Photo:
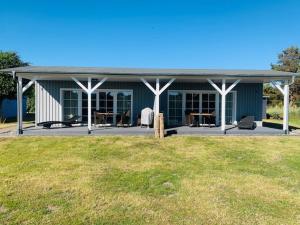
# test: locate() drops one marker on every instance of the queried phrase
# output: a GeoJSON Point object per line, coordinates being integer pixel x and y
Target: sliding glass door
{"type": "Point", "coordinates": [182, 103]}
{"type": "Point", "coordinates": [70, 104]}
{"type": "Point", "coordinates": [175, 108]}
{"type": "Point", "coordinates": [113, 102]}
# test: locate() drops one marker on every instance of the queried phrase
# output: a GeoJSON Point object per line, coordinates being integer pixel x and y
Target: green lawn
{"type": "Point", "coordinates": [140, 180]}
{"type": "Point", "coordinates": [294, 115]}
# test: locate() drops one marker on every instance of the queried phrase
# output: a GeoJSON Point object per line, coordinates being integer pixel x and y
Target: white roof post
{"type": "Point", "coordinates": [223, 107]}
{"type": "Point", "coordinates": [89, 93]}
{"type": "Point", "coordinates": [157, 97]}
{"type": "Point", "coordinates": [286, 108]}
{"type": "Point", "coordinates": [19, 104]}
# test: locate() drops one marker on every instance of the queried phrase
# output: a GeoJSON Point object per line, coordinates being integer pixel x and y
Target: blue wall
{"type": "Point", "coordinates": [9, 107]}
{"type": "Point", "coordinates": [249, 95]}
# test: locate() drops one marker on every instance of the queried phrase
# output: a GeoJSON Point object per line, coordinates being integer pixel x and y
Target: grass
{"type": "Point", "coordinates": [294, 115]}
{"type": "Point", "coordinates": [139, 180]}
{"type": "Point", "coordinates": [12, 122]}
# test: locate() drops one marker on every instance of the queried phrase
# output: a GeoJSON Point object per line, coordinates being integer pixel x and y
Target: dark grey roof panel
{"type": "Point", "coordinates": [147, 72]}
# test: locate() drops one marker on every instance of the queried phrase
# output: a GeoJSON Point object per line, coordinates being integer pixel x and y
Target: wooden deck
{"type": "Point", "coordinates": [137, 131]}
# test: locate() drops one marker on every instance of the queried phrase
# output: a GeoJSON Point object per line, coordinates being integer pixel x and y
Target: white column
{"type": "Point", "coordinates": [89, 90]}
{"type": "Point", "coordinates": [20, 105]}
{"type": "Point", "coordinates": [157, 98]}
{"type": "Point", "coordinates": [285, 92]}
{"type": "Point", "coordinates": [286, 108]}
{"type": "Point", "coordinates": [89, 93]}
{"type": "Point", "coordinates": [223, 106]}
{"type": "Point", "coordinates": [223, 92]}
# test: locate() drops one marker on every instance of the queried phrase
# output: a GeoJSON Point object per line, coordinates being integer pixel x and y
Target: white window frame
{"type": "Point", "coordinates": [114, 92]}
{"type": "Point", "coordinates": [184, 92]}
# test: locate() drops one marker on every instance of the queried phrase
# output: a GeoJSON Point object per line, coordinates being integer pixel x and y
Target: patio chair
{"type": "Point", "coordinates": [124, 119]}
{"type": "Point", "coordinates": [247, 122]}
{"type": "Point", "coordinates": [68, 123]}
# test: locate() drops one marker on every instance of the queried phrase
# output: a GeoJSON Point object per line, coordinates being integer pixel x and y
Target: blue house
{"type": "Point", "coordinates": [227, 95]}
{"type": "Point", "coordinates": [8, 108]}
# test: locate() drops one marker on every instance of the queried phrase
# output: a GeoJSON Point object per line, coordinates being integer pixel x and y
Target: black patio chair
{"type": "Point", "coordinates": [125, 119]}
{"type": "Point", "coordinates": [247, 122]}
{"type": "Point", "coordinates": [68, 123]}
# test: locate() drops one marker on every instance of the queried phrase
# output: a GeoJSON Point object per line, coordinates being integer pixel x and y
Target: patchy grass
{"type": "Point", "coordinates": [139, 180]}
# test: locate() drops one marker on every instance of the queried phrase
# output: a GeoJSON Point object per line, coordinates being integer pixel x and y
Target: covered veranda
{"type": "Point", "coordinates": [89, 79]}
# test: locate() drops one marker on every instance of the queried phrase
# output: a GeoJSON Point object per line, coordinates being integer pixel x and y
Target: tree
{"type": "Point", "coordinates": [7, 83]}
{"type": "Point", "coordinates": [289, 61]}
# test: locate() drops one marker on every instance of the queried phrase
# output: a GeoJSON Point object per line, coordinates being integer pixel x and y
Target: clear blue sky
{"type": "Point", "coordinates": [241, 34]}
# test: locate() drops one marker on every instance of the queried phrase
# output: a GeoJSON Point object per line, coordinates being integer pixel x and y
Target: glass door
{"type": "Point", "coordinates": [106, 105]}
{"type": "Point", "coordinates": [124, 103]}
{"type": "Point", "coordinates": [70, 104]}
{"type": "Point", "coordinates": [209, 106]}
{"type": "Point", "coordinates": [175, 108]}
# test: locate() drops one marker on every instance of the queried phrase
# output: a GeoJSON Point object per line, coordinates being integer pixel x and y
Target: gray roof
{"type": "Point", "coordinates": [147, 72]}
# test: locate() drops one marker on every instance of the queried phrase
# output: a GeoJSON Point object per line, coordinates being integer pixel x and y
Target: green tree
{"type": "Point", "coordinates": [7, 83]}
{"type": "Point", "coordinates": [289, 61]}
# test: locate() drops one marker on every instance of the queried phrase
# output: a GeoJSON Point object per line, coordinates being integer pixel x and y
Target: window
{"type": "Point", "coordinates": [175, 108]}
{"type": "Point", "coordinates": [70, 104]}
{"type": "Point", "coordinates": [192, 103]}
{"type": "Point", "coordinates": [208, 103]}
{"type": "Point", "coordinates": [124, 99]}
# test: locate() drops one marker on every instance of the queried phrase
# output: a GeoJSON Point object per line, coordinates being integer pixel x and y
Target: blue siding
{"type": "Point", "coordinates": [9, 107]}
{"type": "Point", "coordinates": [249, 96]}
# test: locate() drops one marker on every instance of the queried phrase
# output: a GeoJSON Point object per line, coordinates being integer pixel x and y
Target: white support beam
{"type": "Point", "coordinates": [223, 106]}
{"type": "Point", "coordinates": [278, 86]}
{"type": "Point", "coordinates": [80, 84]}
{"type": "Point", "coordinates": [99, 84]}
{"type": "Point", "coordinates": [89, 93]}
{"type": "Point", "coordinates": [89, 90]}
{"type": "Point", "coordinates": [223, 92]}
{"type": "Point", "coordinates": [148, 85]}
{"type": "Point", "coordinates": [285, 92]}
{"type": "Point", "coordinates": [215, 86]}
{"type": "Point", "coordinates": [157, 98]}
{"type": "Point", "coordinates": [157, 92]}
{"type": "Point", "coordinates": [19, 105]}
{"type": "Point", "coordinates": [166, 86]}
{"type": "Point", "coordinates": [232, 86]}
{"type": "Point", "coordinates": [286, 108]}
{"type": "Point", "coordinates": [31, 82]}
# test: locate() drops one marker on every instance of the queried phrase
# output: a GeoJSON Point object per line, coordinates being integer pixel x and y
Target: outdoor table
{"type": "Point", "coordinates": [204, 115]}
{"type": "Point", "coordinates": [104, 114]}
